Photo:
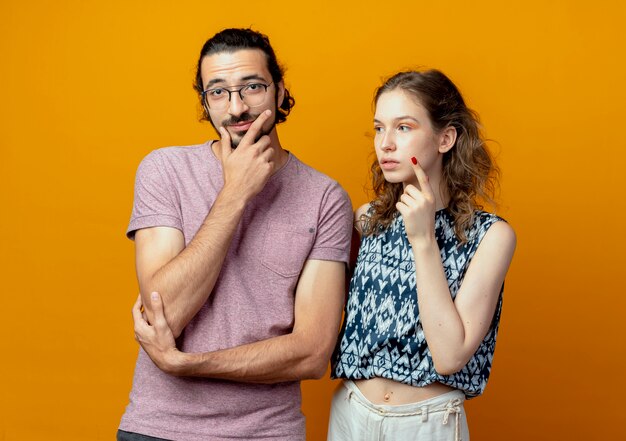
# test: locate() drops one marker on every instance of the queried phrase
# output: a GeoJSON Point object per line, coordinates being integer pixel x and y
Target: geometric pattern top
{"type": "Point", "coordinates": [382, 335]}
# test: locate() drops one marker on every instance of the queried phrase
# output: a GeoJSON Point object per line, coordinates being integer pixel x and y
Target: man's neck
{"type": "Point", "coordinates": [280, 155]}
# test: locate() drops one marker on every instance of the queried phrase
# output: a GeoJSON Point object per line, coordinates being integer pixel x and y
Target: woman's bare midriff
{"type": "Point", "coordinates": [389, 392]}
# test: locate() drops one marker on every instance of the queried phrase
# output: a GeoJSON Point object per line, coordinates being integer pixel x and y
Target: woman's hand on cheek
{"type": "Point", "coordinates": [417, 207]}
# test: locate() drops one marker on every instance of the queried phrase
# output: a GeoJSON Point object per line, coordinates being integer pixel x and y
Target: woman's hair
{"type": "Point", "coordinates": [470, 176]}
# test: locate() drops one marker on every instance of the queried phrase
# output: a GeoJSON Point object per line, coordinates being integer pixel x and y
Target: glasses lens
{"type": "Point", "coordinates": [216, 98]}
{"type": "Point", "coordinates": [254, 94]}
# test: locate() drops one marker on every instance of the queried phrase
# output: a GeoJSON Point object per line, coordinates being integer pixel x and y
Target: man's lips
{"type": "Point", "coordinates": [240, 126]}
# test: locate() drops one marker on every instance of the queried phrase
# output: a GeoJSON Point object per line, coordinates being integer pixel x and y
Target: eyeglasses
{"type": "Point", "coordinates": [252, 95]}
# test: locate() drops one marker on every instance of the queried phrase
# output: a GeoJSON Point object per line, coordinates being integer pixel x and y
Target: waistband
{"type": "Point", "coordinates": [448, 403]}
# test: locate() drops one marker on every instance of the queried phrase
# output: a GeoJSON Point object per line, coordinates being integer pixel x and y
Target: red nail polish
{"type": "Point", "coordinates": [414, 160]}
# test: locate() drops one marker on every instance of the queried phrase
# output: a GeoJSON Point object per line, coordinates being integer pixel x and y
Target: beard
{"type": "Point", "coordinates": [236, 137]}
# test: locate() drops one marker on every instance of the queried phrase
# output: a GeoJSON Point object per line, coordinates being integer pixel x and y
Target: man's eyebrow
{"type": "Point", "coordinates": [253, 77]}
{"type": "Point", "coordinates": [215, 81]}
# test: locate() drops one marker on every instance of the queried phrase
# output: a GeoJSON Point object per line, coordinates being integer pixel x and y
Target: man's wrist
{"type": "Point", "coordinates": [232, 198]}
{"type": "Point", "coordinates": [182, 364]}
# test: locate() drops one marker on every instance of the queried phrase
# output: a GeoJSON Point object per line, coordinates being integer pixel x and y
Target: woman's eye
{"type": "Point", "coordinates": [378, 129]}
{"type": "Point", "coordinates": [404, 128]}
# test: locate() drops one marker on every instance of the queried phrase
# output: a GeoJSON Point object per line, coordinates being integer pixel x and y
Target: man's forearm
{"type": "Point", "coordinates": [301, 354]}
{"type": "Point", "coordinates": [288, 357]}
{"type": "Point", "coordinates": [187, 280]}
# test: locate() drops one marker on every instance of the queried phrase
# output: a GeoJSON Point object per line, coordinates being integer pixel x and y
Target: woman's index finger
{"type": "Point", "coordinates": [421, 175]}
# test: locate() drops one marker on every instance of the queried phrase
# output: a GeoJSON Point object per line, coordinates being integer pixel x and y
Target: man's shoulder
{"type": "Point", "coordinates": [192, 160]}
{"type": "Point", "coordinates": [176, 154]}
{"type": "Point", "coordinates": [312, 177]}
{"type": "Point", "coordinates": [311, 187]}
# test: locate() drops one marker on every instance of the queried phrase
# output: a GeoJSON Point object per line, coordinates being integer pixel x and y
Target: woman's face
{"type": "Point", "coordinates": [403, 130]}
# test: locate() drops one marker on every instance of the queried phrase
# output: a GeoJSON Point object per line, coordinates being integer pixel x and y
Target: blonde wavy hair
{"type": "Point", "coordinates": [470, 175]}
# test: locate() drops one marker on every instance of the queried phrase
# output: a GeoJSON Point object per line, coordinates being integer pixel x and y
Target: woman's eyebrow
{"type": "Point", "coordinates": [400, 118]}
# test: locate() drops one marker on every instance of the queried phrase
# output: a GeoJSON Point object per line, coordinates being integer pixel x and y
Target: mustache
{"type": "Point", "coordinates": [244, 117]}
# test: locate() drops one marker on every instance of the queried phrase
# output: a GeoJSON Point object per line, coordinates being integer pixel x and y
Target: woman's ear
{"type": "Point", "coordinates": [447, 139]}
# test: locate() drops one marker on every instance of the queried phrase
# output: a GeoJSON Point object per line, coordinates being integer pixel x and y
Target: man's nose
{"type": "Point", "coordinates": [236, 105]}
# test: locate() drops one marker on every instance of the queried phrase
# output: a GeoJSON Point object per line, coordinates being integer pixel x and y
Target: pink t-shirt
{"type": "Point", "coordinates": [300, 214]}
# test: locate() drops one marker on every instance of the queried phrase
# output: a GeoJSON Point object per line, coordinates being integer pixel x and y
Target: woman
{"type": "Point", "coordinates": [424, 302]}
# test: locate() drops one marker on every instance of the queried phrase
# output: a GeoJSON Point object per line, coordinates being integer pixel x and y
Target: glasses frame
{"type": "Point", "coordinates": [230, 94]}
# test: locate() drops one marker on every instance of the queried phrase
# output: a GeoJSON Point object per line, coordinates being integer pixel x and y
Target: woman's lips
{"type": "Point", "coordinates": [388, 164]}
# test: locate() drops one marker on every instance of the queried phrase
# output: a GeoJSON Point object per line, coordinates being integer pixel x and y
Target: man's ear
{"type": "Point", "coordinates": [281, 93]}
{"type": "Point", "coordinates": [447, 139]}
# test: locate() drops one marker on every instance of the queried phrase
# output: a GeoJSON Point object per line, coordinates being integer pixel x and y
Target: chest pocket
{"type": "Point", "coordinates": [286, 248]}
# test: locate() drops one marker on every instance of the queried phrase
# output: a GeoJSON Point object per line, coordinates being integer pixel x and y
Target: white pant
{"type": "Point", "coordinates": [353, 417]}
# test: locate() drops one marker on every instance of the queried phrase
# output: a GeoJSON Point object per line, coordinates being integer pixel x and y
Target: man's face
{"type": "Point", "coordinates": [232, 71]}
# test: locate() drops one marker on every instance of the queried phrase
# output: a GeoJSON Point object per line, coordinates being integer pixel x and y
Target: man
{"type": "Point", "coordinates": [240, 255]}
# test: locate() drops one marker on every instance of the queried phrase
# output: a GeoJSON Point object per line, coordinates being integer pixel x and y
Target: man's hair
{"type": "Point", "coordinates": [231, 40]}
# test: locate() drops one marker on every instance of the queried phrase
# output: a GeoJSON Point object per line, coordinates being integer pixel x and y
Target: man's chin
{"type": "Point", "coordinates": [234, 142]}
{"type": "Point", "coordinates": [237, 137]}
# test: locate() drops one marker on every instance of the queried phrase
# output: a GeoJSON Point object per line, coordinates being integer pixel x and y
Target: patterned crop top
{"type": "Point", "coordinates": [382, 335]}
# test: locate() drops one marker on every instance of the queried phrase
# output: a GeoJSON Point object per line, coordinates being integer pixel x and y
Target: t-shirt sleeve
{"type": "Point", "coordinates": [334, 230]}
{"type": "Point", "coordinates": [155, 203]}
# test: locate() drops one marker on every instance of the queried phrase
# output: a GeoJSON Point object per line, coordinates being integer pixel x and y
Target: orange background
{"type": "Point", "coordinates": [89, 88]}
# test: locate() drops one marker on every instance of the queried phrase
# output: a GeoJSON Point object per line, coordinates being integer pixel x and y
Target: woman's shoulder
{"type": "Point", "coordinates": [496, 248]}
{"type": "Point", "coordinates": [481, 216]}
{"type": "Point", "coordinates": [362, 210]}
{"type": "Point", "coordinates": [360, 217]}
{"type": "Point", "coordinates": [496, 228]}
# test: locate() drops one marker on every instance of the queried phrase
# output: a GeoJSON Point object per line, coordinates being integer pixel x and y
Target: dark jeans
{"type": "Point", "coordinates": [130, 436]}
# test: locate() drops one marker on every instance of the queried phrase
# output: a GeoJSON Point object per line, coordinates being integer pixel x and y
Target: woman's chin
{"type": "Point", "coordinates": [393, 179]}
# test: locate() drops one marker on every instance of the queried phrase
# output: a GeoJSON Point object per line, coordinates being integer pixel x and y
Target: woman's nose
{"type": "Point", "coordinates": [388, 143]}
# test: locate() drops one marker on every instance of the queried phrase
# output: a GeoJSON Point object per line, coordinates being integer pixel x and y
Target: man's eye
{"type": "Point", "coordinates": [215, 93]}
{"type": "Point", "coordinates": [254, 88]}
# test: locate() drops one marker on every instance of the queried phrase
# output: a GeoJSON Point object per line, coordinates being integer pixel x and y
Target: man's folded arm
{"type": "Point", "coordinates": [185, 276]}
{"type": "Point", "coordinates": [302, 354]}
